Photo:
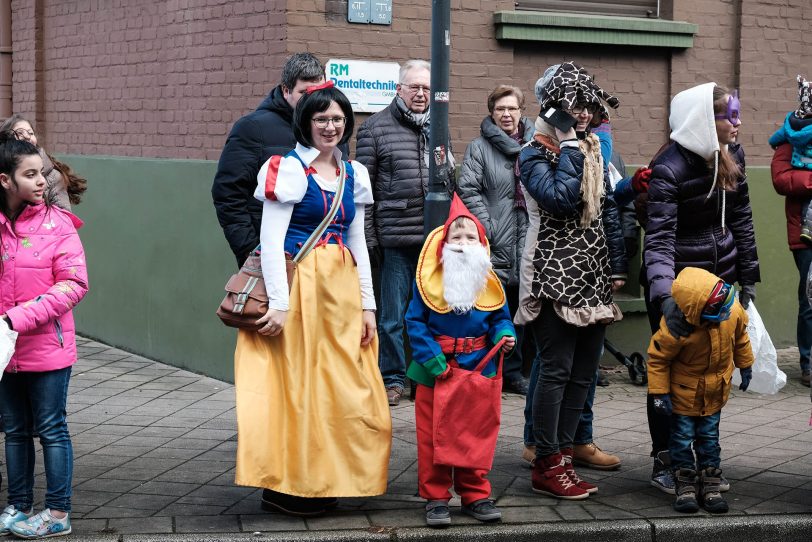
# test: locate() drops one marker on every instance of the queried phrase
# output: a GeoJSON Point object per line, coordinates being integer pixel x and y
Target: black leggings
{"type": "Point", "coordinates": [659, 425]}
{"type": "Point", "coordinates": [569, 357]}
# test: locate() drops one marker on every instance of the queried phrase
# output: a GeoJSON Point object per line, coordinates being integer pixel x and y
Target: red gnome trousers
{"type": "Point", "coordinates": [434, 481]}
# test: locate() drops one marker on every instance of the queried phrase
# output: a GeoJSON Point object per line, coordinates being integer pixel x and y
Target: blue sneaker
{"type": "Point", "coordinates": [661, 476]}
{"type": "Point", "coordinates": [10, 516]}
{"type": "Point", "coordinates": [42, 525]}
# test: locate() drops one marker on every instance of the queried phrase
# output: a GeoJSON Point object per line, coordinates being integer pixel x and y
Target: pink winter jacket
{"type": "Point", "coordinates": [43, 276]}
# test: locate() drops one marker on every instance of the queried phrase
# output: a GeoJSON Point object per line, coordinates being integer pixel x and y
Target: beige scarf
{"type": "Point", "coordinates": [592, 182]}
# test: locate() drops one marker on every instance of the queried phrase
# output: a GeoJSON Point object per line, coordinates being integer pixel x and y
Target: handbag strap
{"type": "Point", "coordinates": [314, 238]}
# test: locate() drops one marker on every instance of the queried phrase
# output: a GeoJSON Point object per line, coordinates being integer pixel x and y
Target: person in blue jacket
{"type": "Point", "coordinates": [457, 313]}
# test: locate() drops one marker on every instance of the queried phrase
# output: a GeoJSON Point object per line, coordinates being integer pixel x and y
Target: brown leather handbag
{"type": "Point", "coordinates": [246, 299]}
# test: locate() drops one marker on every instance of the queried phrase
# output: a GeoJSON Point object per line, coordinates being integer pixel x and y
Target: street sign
{"type": "Point", "coordinates": [370, 86]}
{"type": "Point", "coordinates": [381, 12]}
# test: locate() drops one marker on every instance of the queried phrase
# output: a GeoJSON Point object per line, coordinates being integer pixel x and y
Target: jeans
{"type": "Point", "coordinates": [803, 257]}
{"type": "Point", "coordinates": [512, 366]}
{"type": "Point", "coordinates": [583, 434]}
{"type": "Point", "coordinates": [397, 278]}
{"type": "Point", "coordinates": [29, 403]}
{"type": "Point", "coordinates": [703, 433]}
{"type": "Point", "coordinates": [569, 361]}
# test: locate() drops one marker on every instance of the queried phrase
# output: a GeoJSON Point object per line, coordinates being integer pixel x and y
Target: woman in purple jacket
{"type": "Point", "coordinates": [698, 216]}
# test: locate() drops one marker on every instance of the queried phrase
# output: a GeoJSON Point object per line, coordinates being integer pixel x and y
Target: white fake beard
{"type": "Point", "coordinates": [465, 273]}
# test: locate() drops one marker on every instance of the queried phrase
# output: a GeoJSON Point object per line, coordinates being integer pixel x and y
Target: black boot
{"type": "Point", "coordinates": [273, 501]}
{"type": "Point", "coordinates": [712, 499]}
{"type": "Point", "coordinates": [686, 491]}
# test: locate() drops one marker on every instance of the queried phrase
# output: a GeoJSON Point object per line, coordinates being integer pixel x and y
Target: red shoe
{"type": "Point", "coordinates": [566, 453]}
{"type": "Point", "coordinates": [550, 478]}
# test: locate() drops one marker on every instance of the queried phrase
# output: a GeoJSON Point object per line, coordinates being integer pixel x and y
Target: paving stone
{"type": "Point", "coordinates": [153, 525]}
{"type": "Point", "coordinates": [271, 522]}
{"type": "Point", "coordinates": [338, 521]}
{"type": "Point", "coordinates": [177, 489]}
{"type": "Point", "coordinates": [142, 502]}
{"type": "Point", "coordinates": [206, 524]}
{"type": "Point", "coordinates": [86, 527]}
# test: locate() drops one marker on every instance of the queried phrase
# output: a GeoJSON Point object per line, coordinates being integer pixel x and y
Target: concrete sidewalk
{"type": "Point", "coordinates": [155, 446]}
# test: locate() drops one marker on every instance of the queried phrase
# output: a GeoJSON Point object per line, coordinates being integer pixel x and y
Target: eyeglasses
{"type": "Point", "coordinates": [322, 122]}
{"type": "Point", "coordinates": [417, 89]}
{"type": "Point", "coordinates": [22, 133]}
{"type": "Point", "coordinates": [503, 110]}
{"type": "Point", "coordinates": [590, 108]}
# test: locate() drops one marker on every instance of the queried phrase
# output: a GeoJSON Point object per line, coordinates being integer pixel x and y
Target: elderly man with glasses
{"type": "Point", "coordinates": [393, 145]}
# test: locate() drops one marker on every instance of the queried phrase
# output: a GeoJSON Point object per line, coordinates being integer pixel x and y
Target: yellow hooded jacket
{"type": "Point", "coordinates": [696, 370]}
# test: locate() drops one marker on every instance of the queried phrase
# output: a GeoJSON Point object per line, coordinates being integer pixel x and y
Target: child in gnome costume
{"type": "Point", "coordinates": [457, 322]}
{"type": "Point", "coordinates": [689, 378]}
{"type": "Point", "coordinates": [797, 130]}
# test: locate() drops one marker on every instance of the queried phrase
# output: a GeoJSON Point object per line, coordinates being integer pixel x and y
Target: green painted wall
{"type": "Point", "coordinates": [158, 261]}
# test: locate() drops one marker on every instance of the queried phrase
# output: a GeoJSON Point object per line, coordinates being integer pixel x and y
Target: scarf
{"type": "Point", "coordinates": [518, 195]}
{"type": "Point", "coordinates": [592, 182]}
{"type": "Point", "coordinates": [422, 121]}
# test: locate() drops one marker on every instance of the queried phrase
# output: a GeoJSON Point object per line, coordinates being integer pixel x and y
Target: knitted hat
{"type": "Point", "coordinates": [804, 98]}
{"type": "Point", "coordinates": [568, 84]}
{"type": "Point", "coordinates": [458, 209]}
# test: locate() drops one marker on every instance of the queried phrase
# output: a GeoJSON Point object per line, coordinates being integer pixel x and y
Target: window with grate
{"type": "Point", "coordinates": [624, 8]}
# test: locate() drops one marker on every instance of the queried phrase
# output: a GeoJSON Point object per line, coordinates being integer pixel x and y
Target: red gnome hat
{"type": "Point", "coordinates": [457, 210]}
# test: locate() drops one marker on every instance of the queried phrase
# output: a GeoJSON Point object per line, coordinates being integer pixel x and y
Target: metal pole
{"type": "Point", "coordinates": [435, 210]}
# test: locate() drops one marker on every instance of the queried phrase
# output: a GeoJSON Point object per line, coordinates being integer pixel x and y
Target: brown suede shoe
{"type": "Point", "coordinates": [529, 455]}
{"type": "Point", "coordinates": [592, 457]}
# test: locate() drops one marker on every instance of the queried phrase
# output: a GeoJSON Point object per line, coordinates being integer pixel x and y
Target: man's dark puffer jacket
{"type": "Point", "coordinates": [389, 145]}
{"type": "Point", "coordinates": [684, 227]}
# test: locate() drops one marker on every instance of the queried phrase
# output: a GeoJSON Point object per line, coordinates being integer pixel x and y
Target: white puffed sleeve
{"type": "Point", "coordinates": [282, 179]}
{"type": "Point", "coordinates": [275, 220]}
{"type": "Point", "coordinates": [363, 186]}
{"type": "Point", "coordinates": [356, 241]}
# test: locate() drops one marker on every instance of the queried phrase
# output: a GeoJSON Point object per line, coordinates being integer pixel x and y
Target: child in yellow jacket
{"type": "Point", "coordinates": [689, 378]}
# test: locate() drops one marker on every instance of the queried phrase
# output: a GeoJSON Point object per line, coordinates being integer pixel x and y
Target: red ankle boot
{"type": "Point", "coordinates": [550, 478]}
{"type": "Point", "coordinates": [566, 453]}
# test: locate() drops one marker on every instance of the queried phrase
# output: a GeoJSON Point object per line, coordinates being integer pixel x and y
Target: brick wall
{"type": "Point", "coordinates": [169, 78]}
{"type": "Point", "coordinates": [140, 77]}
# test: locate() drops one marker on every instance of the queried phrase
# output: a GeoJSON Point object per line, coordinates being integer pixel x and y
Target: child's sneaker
{"type": "Point", "coordinates": [11, 516]}
{"type": "Point", "coordinates": [483, 510]}
{"type": "Point", "coordinates": [661, 476]}
{"type": "Point", "coordinates": [42, 525]}
{"type": "Point", "coordinates": [437, 514]}
{"type": "Point", "coordinates": [686, 491]}
{"type": "Point", "coordinates": [712, 499]}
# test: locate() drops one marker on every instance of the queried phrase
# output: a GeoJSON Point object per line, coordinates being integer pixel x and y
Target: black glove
{"type": "Point", "coordinates": [662, 404]}
{"type": "Point", "coordinates": [747, 376]}
{"type": "Point", "coordinates": [747, 294]}
{"type": "Point", "coordinates": [675, 320]}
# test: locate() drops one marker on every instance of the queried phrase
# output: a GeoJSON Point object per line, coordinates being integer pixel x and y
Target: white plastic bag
{"type": "Point", "coordinates": [767, 377]}
{"type": "Point", "coordinates": [8, 338]}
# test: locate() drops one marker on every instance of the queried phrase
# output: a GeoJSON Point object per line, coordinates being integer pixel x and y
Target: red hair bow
{"type": "Point", "coordinates": [326, 84]}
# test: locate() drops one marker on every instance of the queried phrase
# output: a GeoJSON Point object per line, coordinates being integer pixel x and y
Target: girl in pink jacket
{"type": "Point", "coordinates": [42, 276]}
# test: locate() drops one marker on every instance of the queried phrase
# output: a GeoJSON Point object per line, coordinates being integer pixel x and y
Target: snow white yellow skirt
{"type": "Point", "coordinates": [312, 414]}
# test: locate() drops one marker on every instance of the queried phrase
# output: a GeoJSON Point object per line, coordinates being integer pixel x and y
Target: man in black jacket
{"type": "Point", "coordinates": [393, 145]}
{"type": "Point", "coordinates": [254, 138]}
